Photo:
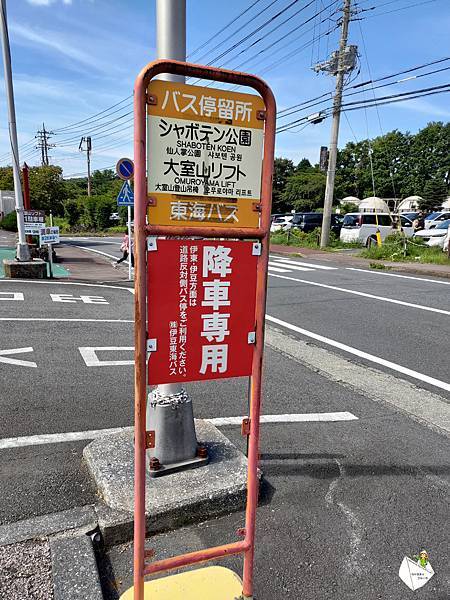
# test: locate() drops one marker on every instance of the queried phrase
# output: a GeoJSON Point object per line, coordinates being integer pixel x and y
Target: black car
{"type": "Point", "coordinates": [307, 222]}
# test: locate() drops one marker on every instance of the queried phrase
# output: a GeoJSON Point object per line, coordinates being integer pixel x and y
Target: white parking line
{"type": "Point", "coordinates": [304, 264]}
{"type": "Point", "coordinates": [443, 385]}
{"type": "Point", "coordinates": [397, 275]}
{"type": "Point", "coordinates": [75, 436]}
{"type": "Point", "coordinates": [39, 282]}
{"type": "Point", "coordinates": [365, 295]}
{"type": "Point", "coordinates": [89, 355]}
{"type": "Point", "coordinates": [57, 320]}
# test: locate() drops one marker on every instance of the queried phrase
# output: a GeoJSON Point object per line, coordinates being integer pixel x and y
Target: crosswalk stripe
{"type": "Point", "coordinates": [278, 270]}
{"type": "Point", "coordinates": [289, 266]}
{"type": "Point", "coordinates": [304, 264]}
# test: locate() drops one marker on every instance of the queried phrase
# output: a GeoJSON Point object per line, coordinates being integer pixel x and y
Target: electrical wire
{"type": "Point", "coordinates": [225, 27]}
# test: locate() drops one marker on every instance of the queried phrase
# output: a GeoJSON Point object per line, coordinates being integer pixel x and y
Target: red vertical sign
{"type": "Point", "coordinates": [201, 309]}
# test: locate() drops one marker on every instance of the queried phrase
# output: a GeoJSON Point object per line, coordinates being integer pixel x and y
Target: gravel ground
{"type": "Point", "coordinates": [26, 571]}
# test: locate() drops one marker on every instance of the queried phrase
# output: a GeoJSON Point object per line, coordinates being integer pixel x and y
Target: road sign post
{"type": "Point", "coordinates": [125, 170]}
{"type": "Point", "coordinates": [250, 221]}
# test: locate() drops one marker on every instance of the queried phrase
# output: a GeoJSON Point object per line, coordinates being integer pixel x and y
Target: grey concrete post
{"type": "Point", "coordinates": [23, 251]}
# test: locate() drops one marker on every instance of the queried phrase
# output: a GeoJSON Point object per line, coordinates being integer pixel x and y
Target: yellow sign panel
{"type": "Point", "coordinates": [204, 152]}
{"type": "Point", "coordinates": [218, 583]}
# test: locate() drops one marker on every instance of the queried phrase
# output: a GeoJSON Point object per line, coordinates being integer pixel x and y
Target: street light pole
{"type": "Point", "coordinates": [331, 173]}
{"type": "Point", "coordinates": [22, 251]}
{"type": "Point", "coordinates": [171, 43]}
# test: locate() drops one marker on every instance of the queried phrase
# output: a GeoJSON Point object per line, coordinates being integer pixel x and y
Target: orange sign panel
{"type": "Point", "coordinates": [204, 152]}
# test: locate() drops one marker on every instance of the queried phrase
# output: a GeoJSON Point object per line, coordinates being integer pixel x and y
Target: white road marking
{"type": "Point", "coordinates": [287, 267]}
{"type": "Point", "coordinates": [74, 436]}
{"type": "Point", "coordinates": [373, 272]}
{"type": "Point", "coordinates": [74, 299]}
{"type": "Point", "coordinates": [366, 295]}
{"type": "Point", "coordinates": [60, 320]}
{"type": "Point", "coordinates": [36, 281]}
{"type": "Point", "coordinates": [287, 418]}
{"type": "Point", "coordinates": [277, 269]}
{"type": "Point", "coordinates": [97, 241]}
{"type": "Point", "coordinates": [100, 252]}
{"type": "Point", "coordinates": [304, 264]}
{"type": "Point", "coordinates": [15, 361]}
{"type": "Point", "coordinates": [89, 355]}
{"type": "Point", "coordinates": [12, 296]}
{"type": "Point", "coordinates": [370, 357]}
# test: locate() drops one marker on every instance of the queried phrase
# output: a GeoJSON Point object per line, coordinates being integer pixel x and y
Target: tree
{"type": "Point", "coordinates": [6, 178]}
{"type": "Point", "coordinates": [305, 190]}
{"type": "Point", "coordinates": [304, 165]}
{"type": "Point", "coordinates": [349, 207]}
{"type": "Point", "coordinates": [283, 169]}
{"type": "Point", "coordinates": [47, 189]}
{"type": "Point", "coordinates": [434, 192]}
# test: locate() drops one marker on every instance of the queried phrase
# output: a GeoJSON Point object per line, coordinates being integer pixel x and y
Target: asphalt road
{"type": "Point", "coordinates": [343, 502]}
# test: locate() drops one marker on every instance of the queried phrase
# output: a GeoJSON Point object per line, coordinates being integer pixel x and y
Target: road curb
{"type": "Point", "coordinates": [74, 569]}
{"type": "Point", "coordinates": [82, 518]}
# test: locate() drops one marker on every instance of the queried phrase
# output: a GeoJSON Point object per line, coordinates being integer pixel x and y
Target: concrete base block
{"type": "Point", "coordinates": [173, 500]}
{"type": "Point", "coordinates": [33, 269]}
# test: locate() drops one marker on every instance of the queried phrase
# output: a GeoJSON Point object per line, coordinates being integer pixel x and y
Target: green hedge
{"type": "Point", "coordinates": [9, 222]}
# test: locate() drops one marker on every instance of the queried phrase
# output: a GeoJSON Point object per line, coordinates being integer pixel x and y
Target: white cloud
{"type": "Point", "coordinates": [423, 106]}
{"type": "Point", "coordinates": [47, 2]}
{"type": "Point", "coordinates": [40, 2]}
{"type": "Point", "coordinates": [49, 39]}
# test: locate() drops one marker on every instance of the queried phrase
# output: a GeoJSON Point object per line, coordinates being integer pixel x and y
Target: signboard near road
{"type": "Point", "coordinates": [204, 156]}
{"type": "Point", "coordinates": [126, 196]}
{"type": "Point", "coordinates": [48, 235]}
{"type": "Point", "coordinates": [203, 329]}
{"type": "Point", "coordinates": [34, 220]}
{"type": "Point", "coordinates": [125, 168]}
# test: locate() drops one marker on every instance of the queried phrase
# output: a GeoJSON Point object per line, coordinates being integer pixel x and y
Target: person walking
{"type": "Point", "coordinates": [127, 250]}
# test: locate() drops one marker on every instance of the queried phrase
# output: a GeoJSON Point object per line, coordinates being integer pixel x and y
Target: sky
{"type": "Point", "coordinates": [75, 58]}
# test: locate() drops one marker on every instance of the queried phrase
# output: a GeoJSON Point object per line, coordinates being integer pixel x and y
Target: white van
{"type": "Point", "coordinates": [363, 227]}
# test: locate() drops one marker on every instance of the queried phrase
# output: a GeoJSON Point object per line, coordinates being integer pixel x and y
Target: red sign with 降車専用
{"type": "Point", "coordinates": [201, 309]}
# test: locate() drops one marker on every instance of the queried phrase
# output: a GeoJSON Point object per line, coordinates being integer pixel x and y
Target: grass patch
{"type": "Point", "coordinates": [393, 249]}
{"type": "Point", "coordinates": [380, 266]}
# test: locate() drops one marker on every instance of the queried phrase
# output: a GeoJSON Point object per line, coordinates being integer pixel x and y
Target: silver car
{"type": "Point", "coordinates": [434, 236]}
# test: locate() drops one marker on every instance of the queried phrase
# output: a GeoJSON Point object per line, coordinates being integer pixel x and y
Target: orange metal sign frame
{"type": "Point", "coordinates": [142, 230]}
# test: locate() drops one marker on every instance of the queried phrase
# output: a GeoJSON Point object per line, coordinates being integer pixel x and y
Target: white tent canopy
{"type": "Point", "coordinates": [410, 204]}
{"type": "Point", "coordinates": [373, 204]}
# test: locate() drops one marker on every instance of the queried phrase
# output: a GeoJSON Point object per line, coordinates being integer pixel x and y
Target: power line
{"type": "Point", "coordinates": [225, 27]}
{"type": "Point", "coordinates": [379, 101]}
{"type": "Point", "coordinates": [310, 103]}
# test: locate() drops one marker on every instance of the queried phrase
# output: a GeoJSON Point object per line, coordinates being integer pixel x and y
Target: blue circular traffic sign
{"type": "Point", "coordinates": [125, 168]}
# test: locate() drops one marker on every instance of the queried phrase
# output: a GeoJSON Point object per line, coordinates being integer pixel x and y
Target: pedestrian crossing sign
{"type": "Point", "coordinates": [126, 196]}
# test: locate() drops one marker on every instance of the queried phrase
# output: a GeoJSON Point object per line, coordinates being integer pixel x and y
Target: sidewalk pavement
{"type": "Point", "coordinates": [347, 258]}
{"type": "Point", "coordinates": [74, 264]}
{"type": "Point", "coordinates": [86, 266]}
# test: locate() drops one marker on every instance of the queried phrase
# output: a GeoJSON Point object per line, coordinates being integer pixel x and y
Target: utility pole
{"type": "Point", "coordinates": [23, 251]}
{"type": "Point", "coordinates": [43, 136]}
{"type": "Point", "coordinates": [87, 140]}
{"type": "Point", "coordinates": [340, 63]}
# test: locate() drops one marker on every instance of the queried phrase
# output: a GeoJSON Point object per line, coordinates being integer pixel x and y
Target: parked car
{"type": "Point", "coordinates": [307, 222]}
{"type": "Point", "coordinates": [363, 227]}
{"type": "Point", "coordinates": [114, 217]}
{"type": "Point", "coordinates": [279, 222]}
{"type": "Point", "coordinates": [435, 218]}
{"type": "Point", "coordinates": [434, 236]}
